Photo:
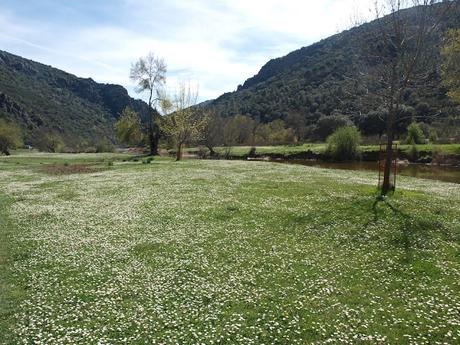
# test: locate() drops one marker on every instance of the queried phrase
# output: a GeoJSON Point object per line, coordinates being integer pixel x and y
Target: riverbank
{"type": "Point", "coordinates": [447, 154]}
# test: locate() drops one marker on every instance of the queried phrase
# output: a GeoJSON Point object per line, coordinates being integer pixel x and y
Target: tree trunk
{"type": "Point", "coordinates": [393, 112]}
{"type": "Point", "coordinates": [212, 153]}
{"type": "Point", "coordinates": [5, 150]}
{"type": "Point", "coordinates": [179, 152]}
{"type": "Point", "coordinates": [386, 186]}
{"type": "Point", "coordinates": [153, 134]}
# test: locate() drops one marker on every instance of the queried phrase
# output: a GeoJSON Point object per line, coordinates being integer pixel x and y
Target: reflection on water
{"type": "Point", "coordinates": [434, 172]}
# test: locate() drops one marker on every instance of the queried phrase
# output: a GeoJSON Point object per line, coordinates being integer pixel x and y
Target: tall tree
{"type": "Point", "coordinates": [184, 122]}
{"type": "Point", "coordinates": [10, 136]}
{"type": "Point", "coordinates": [451, 66]}
{"type": "Point", "coordinates": [149, 73]}
{"type": "Point", "coordinates": [396, 53]}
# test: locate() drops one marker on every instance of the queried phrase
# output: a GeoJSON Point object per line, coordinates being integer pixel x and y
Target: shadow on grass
{"type": "Point", "coordinates": [415, 231]}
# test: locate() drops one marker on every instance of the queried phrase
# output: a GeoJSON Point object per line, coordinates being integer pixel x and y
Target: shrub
{"type": "Point", "coordinates": [227, 152]}
{"type": "Point", "coordinates": [433, 135]}
{"type": "Point", "coordinates": [343, 144]}
{"type": "Point", "coordinates": [415, 134]}
{"type": "Point", "coordinates": [202, 152]}
{"type": "Point", "coordinates": [252, 152]}
{"type": "Point", "coordinates": [104, 145]}
{"type": "Point", "coordinates": [148, 160]}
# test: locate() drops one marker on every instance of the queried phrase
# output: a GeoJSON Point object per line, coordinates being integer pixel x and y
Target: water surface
{"type": "Point", "coordinates": [433, 172]}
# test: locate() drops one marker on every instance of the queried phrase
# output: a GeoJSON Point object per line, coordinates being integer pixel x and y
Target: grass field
{"type": "Point", "coordinates": [223, 252]}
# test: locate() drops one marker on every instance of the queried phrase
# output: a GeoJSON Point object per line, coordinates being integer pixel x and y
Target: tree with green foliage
{"type": "Point", "coordinates": [10, 136]}
{"type": "Point", "coordinates": [184, 122]}
{"type": "Point", "coordinates": [373, 123]}
{"type": "Point", "coordinates": [128, 127]}
{"type": "Point", "coordinates": [239, 130]}
{"type": "Point", "coordinates": [50, 141]}
{"type": "Point", "coordinates": [298, 123]}
{"type": "Point", "coordinates": [326, 125]}
{"type": "Point", "coordinates": [150, 75]}
{"type": "Point", "coordinates": [274, 133]}
{"type": "Point", "coordinates": [451, 66]}
{"type": "Point", "coordinates": [344, 143]}
{"type": "Point", "coordinates": [415, 134]}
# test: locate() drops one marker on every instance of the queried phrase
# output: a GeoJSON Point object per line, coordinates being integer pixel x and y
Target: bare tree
{"type": "Point", "coordinates": [149, 73]}
{"type": "Point", "coordinates": [213, 132]}
{"type": "Point", "coordinates": [396, 53]}
{"type": "Point", "coordinates": [451, 64]}
{"type": "Point", "coordinates": [184, 121]}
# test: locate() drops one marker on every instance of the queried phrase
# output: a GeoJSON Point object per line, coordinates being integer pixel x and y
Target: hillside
{"type": "Point", "coordinates": [44, 100]}
{"type": "Point", "coordinates": [324, 79]}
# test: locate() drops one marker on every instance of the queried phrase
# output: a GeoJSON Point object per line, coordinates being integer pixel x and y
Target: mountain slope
{"type": "Point", "coordinates": [43, 100]}
{"type": "Point", "coordinates": [322, 79]}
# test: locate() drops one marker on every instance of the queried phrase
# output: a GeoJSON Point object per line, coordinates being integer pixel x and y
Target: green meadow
{"type": "Point", "coordinates": [101, 249]}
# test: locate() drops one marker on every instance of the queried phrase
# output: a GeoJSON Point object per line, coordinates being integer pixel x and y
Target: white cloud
{"type": "Point", "coordinates": [217, 44]}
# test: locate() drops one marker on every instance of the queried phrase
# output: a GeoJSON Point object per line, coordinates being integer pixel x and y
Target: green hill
{"type": "Point", "coordinates": [45, 100]}
{"type": "Point", "coordinates": [324, 79]}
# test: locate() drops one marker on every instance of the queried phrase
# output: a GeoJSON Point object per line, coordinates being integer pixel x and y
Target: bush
{"type": "Point", "coordinates": [104, 145]}
{"type": "Point", "coordinates": [252, 152]}
{"type": "Point", "coordinates": [148, 160]}
{"type": "Point", "coordinates": [433, 135]}
{"type": "Point", "coordinates": [227, 152]}
{"type": "Point", "coordinates": [415, 134]}
{"type": "Point", "coordinates": [343, 144]}
{"type": "Point", "coordinates": [202, 152]}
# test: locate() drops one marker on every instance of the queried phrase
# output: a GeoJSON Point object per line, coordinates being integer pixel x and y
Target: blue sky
{"type": "Point", "coordinates": [217, 44]}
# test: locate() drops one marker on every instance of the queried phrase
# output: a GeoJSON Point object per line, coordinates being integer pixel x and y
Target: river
{"type": "Point", "coordinates": [433, 172]}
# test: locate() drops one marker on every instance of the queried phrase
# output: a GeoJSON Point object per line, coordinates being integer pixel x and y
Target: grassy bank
{"type": "Point", "coordinates": [292, 150]}
{"type": "Point", "coordinates": [228, 252]}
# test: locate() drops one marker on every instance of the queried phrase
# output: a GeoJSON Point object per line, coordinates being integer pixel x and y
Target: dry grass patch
{"type": "Point", "coordinates": [70, 169]}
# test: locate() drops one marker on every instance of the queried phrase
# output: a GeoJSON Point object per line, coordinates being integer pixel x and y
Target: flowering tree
{"type": "Point", "coordinates": [150, 75]}
{"type": "Point", "coordinates": [184, 121]}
